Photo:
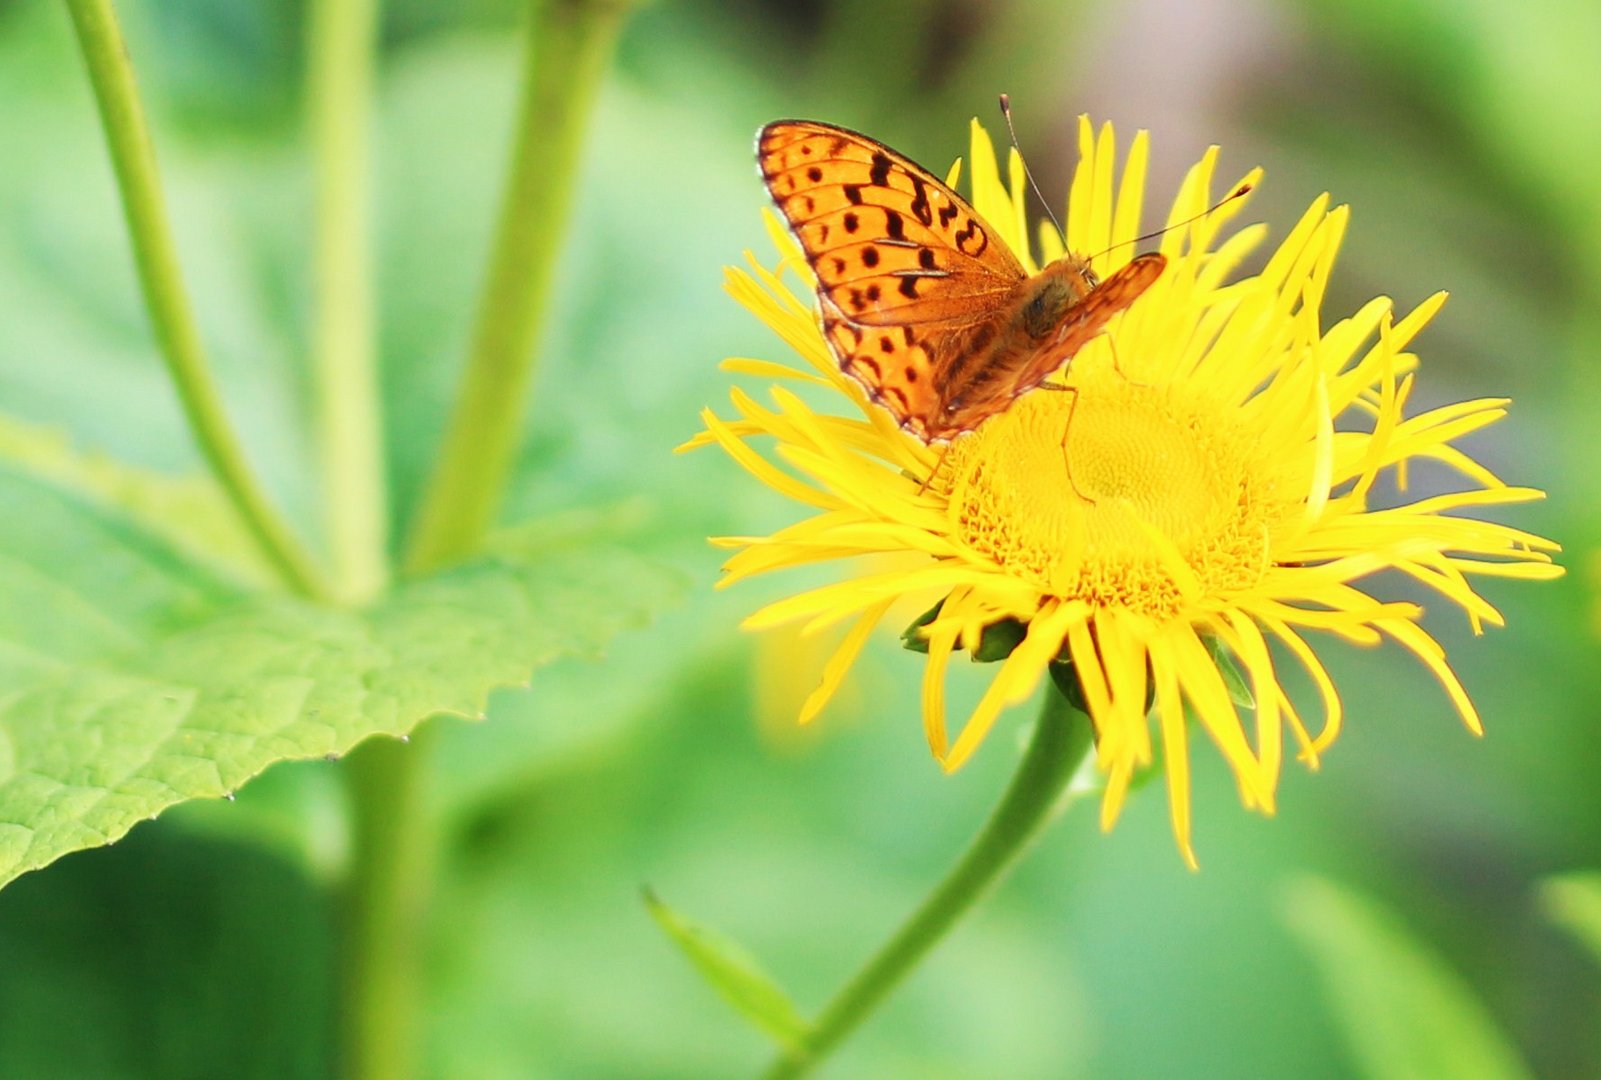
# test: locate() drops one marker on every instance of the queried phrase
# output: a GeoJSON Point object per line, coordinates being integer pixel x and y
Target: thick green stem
{"type": "Point", "coordinates": [1062, 737]}
{"type": "Point", "coordinates": [155, 255]}
{"type": "Point", "coordinates": [388, 882]}
{"type": "Point", "coordinates": [339, 80]}
{"type": "Point", "coordinates": [386, 899]}
{"type": "Point", "coordinates": [569, 45]}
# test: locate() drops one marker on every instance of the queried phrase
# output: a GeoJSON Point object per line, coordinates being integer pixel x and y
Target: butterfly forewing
{"type": "Point", "coordinates": [889, 242]}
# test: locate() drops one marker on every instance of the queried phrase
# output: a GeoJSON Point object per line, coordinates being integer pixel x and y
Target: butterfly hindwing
{"type": "Point", "coordinates": [894, 364]}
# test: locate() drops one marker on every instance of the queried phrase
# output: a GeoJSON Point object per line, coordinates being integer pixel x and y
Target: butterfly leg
{"type": "Point", "coordinates": [1117, 364]}
{"type": "Point", "coordinates": [1067, 429]}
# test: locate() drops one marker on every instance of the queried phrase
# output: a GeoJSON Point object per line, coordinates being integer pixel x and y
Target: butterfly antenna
{"type": "Point", "coordinates": [1006, 111]}
{"type": "Point", "coordinates": [1238, 193]}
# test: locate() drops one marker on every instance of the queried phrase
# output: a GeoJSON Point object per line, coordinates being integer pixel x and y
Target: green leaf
{"type": "Point", "coordinates": [1407, 1016]}
{"type": "Point", "coordinates": [190, 511]}
{"type": "Point", "coordinates": [134, 678]}
{"type": "Point", "coordinates": [912, 637]}
{"type": "Point", "coordinates": [1239, 689]}
{"type": "Point", "coordinates": [734, 973]}
{"type": "Point", "coordinates": [997, 641]}
{"type": "Point", "coordinates": [1065, 676]}
{"type": "Point", "coordinates": [1573, 902]}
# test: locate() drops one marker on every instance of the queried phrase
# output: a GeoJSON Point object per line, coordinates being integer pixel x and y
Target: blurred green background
{"type": "Point", "coordinates": [1466, 136]}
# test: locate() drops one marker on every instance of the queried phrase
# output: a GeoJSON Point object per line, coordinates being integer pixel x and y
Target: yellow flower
{"type": "Point", "coordinates": [1213, 498]}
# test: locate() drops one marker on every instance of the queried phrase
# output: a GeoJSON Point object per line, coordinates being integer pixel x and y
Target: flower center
{"type": "Point", "coordinates": [1117, 493]}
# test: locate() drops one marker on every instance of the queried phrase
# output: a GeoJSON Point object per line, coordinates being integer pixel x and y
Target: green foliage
{"type": "Point", "coordinates": [1573, 902]}
{"type": "Point", "coordinates": [165, 955]}
{"type": "Point", "coordinates": [1239, 689]}
{"type": "Point", "coordinates": [137, 679]}
{"type": "Point", "coordinates": [1406, 1015]}
{"type": "Point", "coordinates": [734, 973]}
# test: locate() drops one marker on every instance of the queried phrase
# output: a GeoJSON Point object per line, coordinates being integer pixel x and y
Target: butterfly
{"type": "Point", "coordinates": [921, 301]}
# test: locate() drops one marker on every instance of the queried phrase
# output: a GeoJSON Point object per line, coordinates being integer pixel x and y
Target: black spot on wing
{"type": "Point", "coordinates": [894, 227]}
{"type": "Point", "coordinates": [908, 287]}
{"type": "Point", "coordinates": [971, 240]}
{"type": "Point", "coordinates": [920, 208]}
{"type": "Point", "coordinates": [880, 171]}
{"type": "Point", "coordinates": [863, 360]}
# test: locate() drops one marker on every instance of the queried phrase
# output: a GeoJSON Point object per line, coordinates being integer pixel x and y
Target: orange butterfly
{"type": "Point", "coordinates": [921, 302]}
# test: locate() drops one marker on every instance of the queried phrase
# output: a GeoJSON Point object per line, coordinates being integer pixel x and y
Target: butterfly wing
{"type": "Point", "coordinates": [905, 266]}
{"type": "Point", "coordinates": [866, 215]}
{"type": "Point", "coordinates": [899, 366]}
{"type": "Point", "coordinates": [1087, 318]}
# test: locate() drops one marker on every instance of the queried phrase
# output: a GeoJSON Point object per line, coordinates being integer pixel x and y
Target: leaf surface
{"type": "Point", "coordinates": [134, 678]}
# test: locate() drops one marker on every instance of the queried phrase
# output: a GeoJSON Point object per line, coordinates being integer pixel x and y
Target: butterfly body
{"type": "Point", "coordinates": [921, 302]}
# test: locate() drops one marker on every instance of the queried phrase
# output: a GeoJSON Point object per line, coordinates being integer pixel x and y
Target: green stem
{"type": "Point", "coordinates": [339, 101]}
{"type": "Point", "coordinates": [569, 45]}
{"type": "Point", "coordinates": [386, 898]}
{"type": "Point", "coordinates": [155, 255]}
{"type": "Point", "coordinates": [388, 882]}
{"type": "Point", "coordinates": [1062, 737]}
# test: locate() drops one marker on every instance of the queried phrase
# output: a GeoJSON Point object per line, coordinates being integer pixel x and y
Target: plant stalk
{"type": "Point", "coordinates": [569, 45]}
{"type": "Point", "coordinates": [388, 889]}
{"type": "Point", "coordinates": [388, 883]}
{"type": "Point", "coordinates": [339, 90]}
{"type": "Point", "coordinates": [1062, 737]}
{"type": "Point", "coordinates": [133, 160]}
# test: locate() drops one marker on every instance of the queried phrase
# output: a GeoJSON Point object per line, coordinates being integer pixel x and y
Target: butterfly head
{"type": "Point", "coordinates": [1051, 292]}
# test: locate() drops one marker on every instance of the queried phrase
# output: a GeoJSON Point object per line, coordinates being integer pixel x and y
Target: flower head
{"type": "Point", "coordinates": [1198, 502]}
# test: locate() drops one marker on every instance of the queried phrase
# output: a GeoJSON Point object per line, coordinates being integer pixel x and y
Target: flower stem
{"type": "Point", "coordinates": [134, 160]}
{"type": "Point", "coordinates": [568, 47]}
{"type": "Point", "coordinates": [389, 884]}
{"type": "Point", "coordinates": [340, 45]}
{"type": "Point", "coordinates": [1062, 737]}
